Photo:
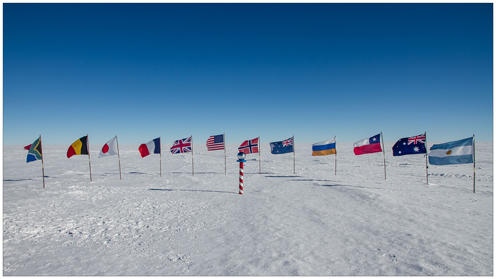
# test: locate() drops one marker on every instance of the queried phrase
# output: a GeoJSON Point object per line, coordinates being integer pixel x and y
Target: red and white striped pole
{"type": "Point", "coordinates": [241, 160]}
{"type": "Point", "coordinates": [241, 178]}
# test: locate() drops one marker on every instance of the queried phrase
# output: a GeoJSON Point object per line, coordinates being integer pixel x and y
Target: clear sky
{"type": "Point", "coordinates": [314, 71]}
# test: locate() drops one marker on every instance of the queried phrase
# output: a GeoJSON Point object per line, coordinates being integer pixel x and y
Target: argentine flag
{"type": "Point", "coordinates": [454, 152]}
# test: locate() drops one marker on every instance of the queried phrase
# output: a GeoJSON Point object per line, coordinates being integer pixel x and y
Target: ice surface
{"type": "Point", "coordinates": [309, 223]}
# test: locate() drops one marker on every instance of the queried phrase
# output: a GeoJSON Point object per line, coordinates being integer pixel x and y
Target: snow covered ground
{"type": "Point", "coordinates": [309, 223]}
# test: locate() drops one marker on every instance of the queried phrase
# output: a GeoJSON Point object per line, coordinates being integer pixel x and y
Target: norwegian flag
{"type": "Point", "coordinates": [181, 146]}
{"type": "Point", "coordinates": [249, 146]}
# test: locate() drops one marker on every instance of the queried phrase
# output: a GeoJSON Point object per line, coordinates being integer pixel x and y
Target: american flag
{"type": "Point", "coordinates": [215, 143]}
{"type": "Point", "coordinates": [249, 146]}
{"type": "Point", "coordinates": [181, 146]}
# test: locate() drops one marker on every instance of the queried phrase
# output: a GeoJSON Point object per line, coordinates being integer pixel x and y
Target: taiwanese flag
{"type": "Point", "coordinates": [152, 147]}
{"type": "Point", "coordinates": [249, 146]}
{"type": "Point", "coordinates": [370, 145]}
{"type": "Point", "coordinates": [79, 147]}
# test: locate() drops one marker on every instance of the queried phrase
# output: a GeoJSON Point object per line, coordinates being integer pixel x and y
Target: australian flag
{"type": "Point", "coordinates": [411, 145]}
{"type": "Point", "coordinates": [281, 147]}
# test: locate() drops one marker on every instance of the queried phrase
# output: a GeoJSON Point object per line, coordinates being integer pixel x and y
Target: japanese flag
{"type": "Point", "coordinates": [109, 149]}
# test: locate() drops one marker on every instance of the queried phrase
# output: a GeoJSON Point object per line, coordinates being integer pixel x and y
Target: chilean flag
{"type": "Point", "coordinates": [370, 145]}
{"type": "Point", "coordinates": [152, 147]}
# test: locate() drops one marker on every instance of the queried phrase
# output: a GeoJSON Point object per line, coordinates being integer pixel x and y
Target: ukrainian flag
{"type": "Point", "coordinates": [322, 148]}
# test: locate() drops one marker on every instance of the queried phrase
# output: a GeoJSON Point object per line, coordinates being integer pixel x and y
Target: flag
{"type": "Point", "coordinates": [181, 146]}
{"type": "Point", "coordinates": [370, 145]}
{"type": "Point", "coordinates": [151, 147]}
{"type": "Point", "coordinates": [215, 143]}
{"type": "Point", "coordinates": [281, 147]}
{"type": "Point", "coordinates": [249, 146]}
{"type": "Point", "coordinates": [411, 145]}
{"type": "Point", "coordinates": [109, 149]}
{"type": "Point", "coordinates": [327, 147]}
{"type": "Point", "coordinates": [454, 152]}
{"type": "Point", "coordinates": [34, 152]}
{"type": "Point", "coordinates": [27, 147]}
{"type": "Point", "coordinates": [79, 147]}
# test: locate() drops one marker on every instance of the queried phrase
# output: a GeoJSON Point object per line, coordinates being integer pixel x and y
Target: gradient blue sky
{"type": "Point", "coordinates": [141, 71]}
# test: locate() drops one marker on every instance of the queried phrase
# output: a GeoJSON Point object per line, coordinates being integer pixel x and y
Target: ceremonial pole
{"type": "Point", "coordinates": [42, 166]}
{"type": "Point", "coordinates": [383, 153]}
{"type": "Point", "coordinates": [119, 156]}
{"type": "Point", "coordinates": [88, 147]}
{"type": "Point", "coordinates": [241, 160]}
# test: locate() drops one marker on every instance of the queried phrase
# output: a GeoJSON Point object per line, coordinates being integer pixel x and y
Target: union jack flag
{"type": "Point", "coordinates": [249, 146]}
{"type": "Point", "coordinates": [287, 142]}
{"type": "Point", "coordinates": [181, 146]}
{"type": "Point", "coordinates": [415, 139]}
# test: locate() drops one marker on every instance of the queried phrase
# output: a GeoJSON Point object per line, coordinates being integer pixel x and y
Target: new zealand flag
{"type": "Point", "coordinates": [281, 147]}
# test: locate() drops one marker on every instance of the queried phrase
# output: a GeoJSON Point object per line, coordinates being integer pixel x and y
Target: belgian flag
{"type": "Point", "coordinates": [79, 147]}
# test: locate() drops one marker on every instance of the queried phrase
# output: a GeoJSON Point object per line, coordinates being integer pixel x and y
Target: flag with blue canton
{"type": "Point", "coordinates": [409, 146]}
{"type": "Point", "coordinates": [281, 147]}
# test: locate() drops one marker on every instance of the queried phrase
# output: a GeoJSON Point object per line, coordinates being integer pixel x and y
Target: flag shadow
{"type": "Point", "coordinates": [205, 191]}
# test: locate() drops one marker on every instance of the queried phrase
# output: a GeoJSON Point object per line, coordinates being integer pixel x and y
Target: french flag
{"type": "Point", "coordinates": [152, 147]}
{"type": "Point", "coordinates": [370, 145]}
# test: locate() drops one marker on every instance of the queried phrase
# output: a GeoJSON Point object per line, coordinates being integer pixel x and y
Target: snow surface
{"type": "Point", "coordinates": [309, 223]}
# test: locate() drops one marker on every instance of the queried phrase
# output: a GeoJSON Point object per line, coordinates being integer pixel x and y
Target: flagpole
{"type": "Point", "coordinates": [426, 166]}
{"type": "Point", "coordinates": [225, 156]}
{"type": "Point", "coordinates": [335, 156]}
{"type": "Point", "coordinates": [119, 156]}
{"type": "Point", "coordinates": [259, 158]}
{"type": "Point", "coordinates": [383, 153]}
{"type": "Point", "coordinates": [294, 157]}
{"type": "Point", "coordinates": [473, 151]}
{"type": "Point", "coordinates": [160, 142]}
{"type": "Point", "coordinates": [192, 161]}
{"type": "Point", "coordinates": [42, 166]}
{"type": "Point", "coordinates": [88, 147]}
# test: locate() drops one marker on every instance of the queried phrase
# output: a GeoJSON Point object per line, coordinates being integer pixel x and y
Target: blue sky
{"type": "Point", "coordinates": [314, 71]}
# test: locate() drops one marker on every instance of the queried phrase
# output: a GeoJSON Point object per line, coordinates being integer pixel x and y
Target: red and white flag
{"type": "Point", "coordinates": [369, 145]}
{"type": "Point", "coordinates": [249, 146]}
{"type": "Point", "coordinates": [109, 149]}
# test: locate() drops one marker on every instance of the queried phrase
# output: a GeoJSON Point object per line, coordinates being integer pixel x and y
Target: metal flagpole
{"type": "Point", "coordinates": [335, 156]}
{"type": "Point", "coordinates": [294, 157]}
{"type": "Point", "coordinates": [426, 166]}
{"type": "Point", "coordinates": [192, 161]}
{"type": "Point", "coordinates": [259, 157]}
{"type": "Point", "coordinates": [42, 166]}
{"type": "Point", "coordinates": [473, 151]}
{"type": "Point", "coordinates": [119, 156]}
{"type": "Point", "coordinates": [225, 156]}
{"type": "Point", "coordinates": [383, 153]}
{"type": "Point", "coordinates": [160, 143]}
{"type": "Point", "coordinates": [88, 147]}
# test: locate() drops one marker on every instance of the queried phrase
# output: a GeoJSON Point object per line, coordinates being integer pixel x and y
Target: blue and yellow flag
{"type": "Point", "coordinates": [322, 148]}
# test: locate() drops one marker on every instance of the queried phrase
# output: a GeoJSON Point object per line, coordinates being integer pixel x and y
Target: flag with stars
{"type": "Point", "coordinates": [409, 146]}
{"type": "Point", "coordinates": [281, 147]}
